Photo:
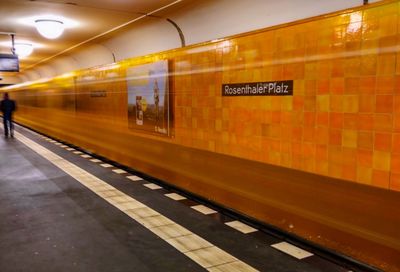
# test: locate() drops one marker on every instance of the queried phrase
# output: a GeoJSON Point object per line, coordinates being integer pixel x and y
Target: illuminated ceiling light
{"type": "Point", "coordinates": [23, 49]}
{"type": "Point", "coordinates": [50, 29]}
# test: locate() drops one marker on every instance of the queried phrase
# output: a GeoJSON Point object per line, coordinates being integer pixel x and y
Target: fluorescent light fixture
{"type": "Point", "coordinates": [23, 49]}
{"type": "Point", "coordinates": [49, 28]}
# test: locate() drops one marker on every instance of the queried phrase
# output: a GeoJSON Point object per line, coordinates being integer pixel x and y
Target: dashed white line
{"type": "Point", "coordinates": [203, 209]}
{"type": "Point", "coordinates": [175, 196]}
{"type": "Point", "coordinates": [119, 171]}
{"type": "Point", "coordinates": [95, 160]}
{"type": "Point", "coordinates": [152, 186]}
{"type": "Point", "coordinates": [292, 250]}
{"type": "Point", "coordinates": [241, 227]}
{"type": "Point", "coordinates": [134, 178]}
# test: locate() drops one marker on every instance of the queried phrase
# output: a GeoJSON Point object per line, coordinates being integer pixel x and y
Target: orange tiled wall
{"type": "Point", "coordinates": [343, 120]}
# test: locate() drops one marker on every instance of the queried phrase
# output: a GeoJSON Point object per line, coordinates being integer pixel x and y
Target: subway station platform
{"type": "Point", "coordinates": [65, 210]}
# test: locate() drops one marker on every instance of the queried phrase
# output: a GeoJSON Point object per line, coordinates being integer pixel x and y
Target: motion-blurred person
{"type": "Point", "coordinates": [7, 107]}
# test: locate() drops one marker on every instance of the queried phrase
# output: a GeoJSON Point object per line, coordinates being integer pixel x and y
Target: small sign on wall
{"type": "Point", "coordinates": [272, 88]}
{"type": "Point", "coordinates": [98, 93]}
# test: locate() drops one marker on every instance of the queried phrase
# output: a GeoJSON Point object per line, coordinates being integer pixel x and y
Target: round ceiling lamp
{"type": "Point", "coordinates": [50, 29]}
{"type": "Point", "coordinates": [23, 49]}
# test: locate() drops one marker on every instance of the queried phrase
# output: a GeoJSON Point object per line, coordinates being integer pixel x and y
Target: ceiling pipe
{"type": "Point", "coordinates": [12, 34]}
{"type": "Point", "coordinates": [180, 32]}
{"type": "Point", "coordinates": [181, 36]}
{"type": "Point", "coordinates": [13, 44]}
{"type": "Point", "coordinates": [112, 53]}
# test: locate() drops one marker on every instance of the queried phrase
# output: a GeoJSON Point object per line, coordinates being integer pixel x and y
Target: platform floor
{"type": "Point", "coordinates": [63, 210]}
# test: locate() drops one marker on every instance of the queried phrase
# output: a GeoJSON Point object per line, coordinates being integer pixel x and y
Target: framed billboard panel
{"type": "Point", "coordinates": [148, 98]}
{"type": "Point", "coordinates": [9, 63]}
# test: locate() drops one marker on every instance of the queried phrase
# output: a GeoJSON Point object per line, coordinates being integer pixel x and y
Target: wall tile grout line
{"type": "Point", "coordinates": [211, 258]}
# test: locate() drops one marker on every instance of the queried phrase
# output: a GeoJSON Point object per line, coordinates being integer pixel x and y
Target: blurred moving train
{"type": "Point", "coordinates": [304, 162]}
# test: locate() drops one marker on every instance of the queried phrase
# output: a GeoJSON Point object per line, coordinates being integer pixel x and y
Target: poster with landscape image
{"type": "Point", "coordinates": [148, 98]}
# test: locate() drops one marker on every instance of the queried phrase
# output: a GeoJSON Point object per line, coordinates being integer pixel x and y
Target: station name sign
{"type": "Point", "coordinates": [272, 88]}
{"type": "Point", "coordinates": [98, 93]}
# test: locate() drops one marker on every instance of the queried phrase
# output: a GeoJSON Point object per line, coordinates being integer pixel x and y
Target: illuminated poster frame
{"type": "Point", "coordinates": [148, 98]}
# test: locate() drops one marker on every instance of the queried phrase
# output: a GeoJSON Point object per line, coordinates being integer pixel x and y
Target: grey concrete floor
{"type": "Point", "coordinates": [51, 222]}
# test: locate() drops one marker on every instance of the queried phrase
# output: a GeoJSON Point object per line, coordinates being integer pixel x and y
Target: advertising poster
{"type": "Point", "coordinates": [148, 97]}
